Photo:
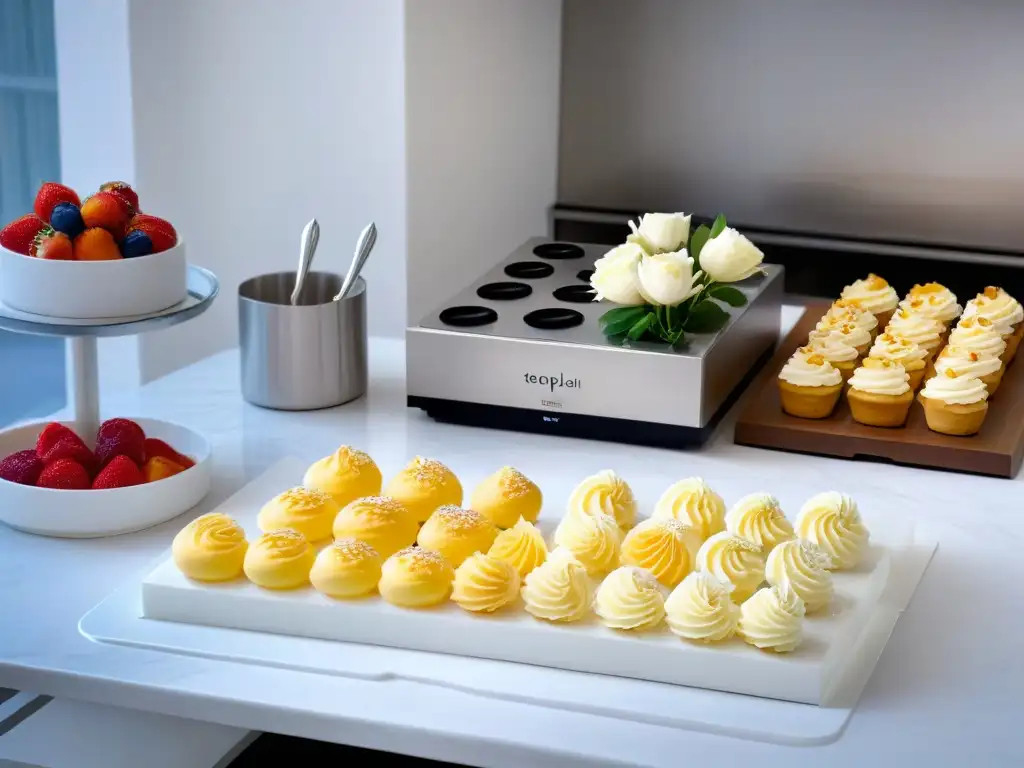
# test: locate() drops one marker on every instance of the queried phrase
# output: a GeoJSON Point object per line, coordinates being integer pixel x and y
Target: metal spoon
{"type": "Point", "coordinates": [307, 250]}
{"type": "Point", "coordinates": [367, 239]}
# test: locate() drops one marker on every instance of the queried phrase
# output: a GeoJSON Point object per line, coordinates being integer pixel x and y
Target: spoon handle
{"type": "Point", "coordinates": [307, 249]}
{"type": "Point", "coordinates": [367, 239]}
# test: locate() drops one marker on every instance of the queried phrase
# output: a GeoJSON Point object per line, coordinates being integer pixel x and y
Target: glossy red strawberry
{"type": "Point", "coordinates": [65, 475]}
{"type": "Point", "coordinates": [120, 437]}
{"type": "Point", "coordinates": [109, 211]}
{"type": "Point", "coordinates": [20, 234]}
{"type": "Point", "coordinates": [53, 245]}
{"type": "Point", "coordinates": [49, 195]}
{"type": "Point", "coordinates": [58, 442]}
{"type": "Point", "coordinates": [157, 447]}
{"type": "Point", "coordinates": [121, 472]}
{"type": "Point", "coordinates": [124, 191]}
{"type": "Point", "coordinates": [22, 467]}
{"type": "Point", "coordinates": [160, 231]}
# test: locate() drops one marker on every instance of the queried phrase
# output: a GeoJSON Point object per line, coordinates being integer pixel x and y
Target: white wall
{"type": "Point", "coordinates": [482, 85]}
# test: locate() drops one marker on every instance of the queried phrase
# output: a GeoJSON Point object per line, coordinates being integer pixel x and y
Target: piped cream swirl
{"type": "Point", "coordinates": [605, 493]}
{"type": "Point", "coordinates": [701, 609]}
{"type": "Point", "coordinates": [692, 501]}
{"type": "Point", "coordinates": [965, 362]}
{"type": "Point", "coordinates": [594, 540]}
{"type": "Point", "coordinates": [873, 293]}
{"type": "Point", "coordinates": [759, 518]}
{"type": "Point", "coordinates": [733, 559]}
{"type": "Point", "coordinates": [924, 331]}
{"type": "Point", "coordinates": [881, 377]}
{"type": "Point", "coordinates": [955, 390]}
{"type": "Point", "coordinates": [832, 521]}
{"type": "Point", "coordinates": [630, 598]}
{"type": "Point", "coordinates": [772, 619]}
{"type": "Point", "coordinates": [809, 368]}
{"type": "Point", "coordinates": [978, 335]}
{"type": "Point", "coordinates": [997, 306]}
{"type": "Point", "coordinates": [559, 589]}
{"type": "Point", "coordinates": [804, 566]}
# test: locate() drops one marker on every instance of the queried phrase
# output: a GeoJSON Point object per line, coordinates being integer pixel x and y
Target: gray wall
{"type": "Point", "coordinates": [895, 119]}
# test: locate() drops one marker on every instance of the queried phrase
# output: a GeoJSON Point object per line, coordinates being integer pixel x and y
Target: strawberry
{"type": "Point", "coordinates": [64, 475]}
{"type": "Point", "coordinates": [121, 437]}
{"type": "Point", "coordinates": [58, 442]}
{"type": "Point", "coordinates": [19, 235]}
{"type": "Point", "coordinates": [51, 193]}
{"type": "Point", "coordinates": [159, 468]}
{"type": "Point", "coordinates": [124, 191]}
{"type": "Point", "coordinates": [53, 245]}
{"type": "Point", "coordinates": [119, 473]}
{"type": "Point", "coordinates": [160, 231]}
{"type": "Point", "coordinates": [107, 210]}
{"type": "Point", "coordinates": [157, 447]}
{"type": "Point", "coordinates": [96, 245]}
{"type": "Point", "coordinates": [22, 467]}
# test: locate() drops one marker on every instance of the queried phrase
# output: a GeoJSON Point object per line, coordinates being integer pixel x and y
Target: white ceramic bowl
{"type": "Point", "coordinates": [93, 289]}
{"type": "Point", "coordinates": [91, 514]}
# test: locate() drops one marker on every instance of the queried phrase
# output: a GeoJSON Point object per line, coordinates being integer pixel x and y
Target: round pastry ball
{"type": "Point", "coordinates": [309, 511]}
{"type": "Point", "coordinates": [279, 560]}
{"type": "Point", "coordinates": [346, 569]}
{"type": "Point", "coordinates": [457, 533]}
{"type": "Point", "coordinates": [347, 474]}
{"type": "Point", "coordinates": [416, 578]}
{"type": "Point", "coordinates": [383, 523]}
{"type": "Point", "coordinates": [506, 496]}
{"type": "Point", "coordinates": [210, 548]}
{"type": "Point", "coordinates": [423, 486]}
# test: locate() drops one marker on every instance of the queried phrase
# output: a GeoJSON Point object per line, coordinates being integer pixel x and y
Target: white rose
{"type": "Point", "coordinates": [614, 275]}
{"type": "Point", "coordinates": [662, 232]}
{"type": "Point", "coordinates": [666, 278]}
{"type": "Point", "coordinates": [730, 257]}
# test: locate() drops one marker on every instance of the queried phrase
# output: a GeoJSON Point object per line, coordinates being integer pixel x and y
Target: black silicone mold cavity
{"type": "Point", "coordinates": [504, 291]}
{"type": "Point", "coordinates": [585, 275]}
{"type": "Point", "coordinates": [529, 270]}
{"type": "Point", "coordinates": [558, 251]}
{"type": "Point", "coordinates": [553, 318]}
{"type": "Point", "coordinates": [575, 294]}
{"type": "Point", "coordinates": [468, 316]}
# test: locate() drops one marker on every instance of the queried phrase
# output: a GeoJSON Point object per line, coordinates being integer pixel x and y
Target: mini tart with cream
{"type": "Point", "coordinates": [416, 578]}
{"type": "Point", "coordinates": [805, 567]}
{"type": "Point", "coordinates": [605, 493]}
{"type": "Point", "coordinates": [772, 619]}
{"type": "Point", "coordinates": [210, 548]}
{"type": "Point", "coordinates": [346, 569]}
{"type": "Point", "coordinates": [926, 332]}
{"type": "Point", "coordinates": [978, 334]}
{"type": "Point", "coordinates": [847, 334]}
{"type": "Point", "coordinates": [279, 560]}
{"type": "Point", "coordinates": [309, 511]}
{"type": "Point", "coordinates": [733, 559]}
{"type": "Point", "coordinates": [809, 387]}
{"type": "Point", "coordinates": [423, 486]}
{"type": "Point", "coordinates": [559, 589]}
{"type": "Point", "coordinates": [593, 539]}
{"type": "Point", "coordinates": [483, 584]}
{"type": "Point", "coordinates": [832, 521]}
{"type": "Point", "coordinates": [457, 533]}
{"type": "Point", "coordinates": [933, 300]}
{"type": "Point", "coordinates": [880, 394]}
{"type": "Point", "coordinates": [845, 312]}
{"type": "Point", "coordinates": [1004, 312]}
{"type": "Point", "coordinates": [506, 496]}
{"type": "Point", "coordinates": [701, 609]}
{"type": "Point", "coordinates": [664, 546]}
{"type": "Point", "coordinates": [835, 347]}
{"type": "Point", "coordinates": [953, 404]}
{"type": "Point", "coordinates": [383, 523]}
{"type": "Point", "coordinates": [522, 546]}
{"type": "Point", "coordinates": [759, 518]}
{"type": "Point", "coordinates": [692, 502]}
{"type": "Point", "coordinates": [875, 295]}
{"type": "Point", "coordinates": [346, 474]}
{"type": "Point", "coordinates": [903, 351]}
{"type": "Point", "coordinates": [966, 362]}
{"type": "Point", "coordinates": [630, 599]}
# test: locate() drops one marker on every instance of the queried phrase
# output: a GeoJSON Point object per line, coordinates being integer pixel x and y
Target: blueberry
{"type": "Point", "coordinates": [136, 243]}
{"type": "Point", "coordinates": [66, 218]}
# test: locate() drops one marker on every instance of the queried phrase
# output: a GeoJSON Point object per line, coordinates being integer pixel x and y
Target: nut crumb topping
{"type": "Point", "coordinates": [876, 283]}
{"type": "Point", "coordinates": [816, 359]}
{"type": "Point", "coordinates": [950, 373]}
{"type": "Point", "coordinates": [991, 292]}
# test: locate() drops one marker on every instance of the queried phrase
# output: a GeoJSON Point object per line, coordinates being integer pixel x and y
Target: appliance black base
{"type": "Point", "coordinates": [646, 433]}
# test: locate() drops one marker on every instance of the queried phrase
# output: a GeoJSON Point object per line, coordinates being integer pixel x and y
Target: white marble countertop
{"type": "Point", "coordinates": [945, 692]}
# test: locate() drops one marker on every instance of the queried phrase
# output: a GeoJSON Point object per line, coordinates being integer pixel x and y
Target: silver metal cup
{"type": "Point", "coordinates": [302, 357]}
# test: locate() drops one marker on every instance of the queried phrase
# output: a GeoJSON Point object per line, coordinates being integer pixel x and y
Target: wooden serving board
{"type": "Point", "coordinates": [996, 450]}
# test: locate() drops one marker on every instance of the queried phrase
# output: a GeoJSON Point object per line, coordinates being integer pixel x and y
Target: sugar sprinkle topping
{"type": "Point", "coordinates": [428, 471]}
{"type": "Point", "coordinates": [458, 519]}
{"type": "Point", "coordinates": [419, 560]}
{"type": "Point", "coordinates": [379, 505]}
{"type": "Point", "coordinates": [513, 483]}
{"type": "Point", "coordinates": [302, 498]}
{"type": "Point", "coordinates": [352, 550]}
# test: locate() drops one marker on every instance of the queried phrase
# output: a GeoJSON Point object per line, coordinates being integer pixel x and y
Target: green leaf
{"type": "Point", "coordinates": [642, 326]}
{"type": "Point", "coordinates": [719, 226]}
{"type": "Point", "coordinates": [732, 296]}
{"type": "Point", "coordinates": [706, 317]}
{"type": "Point", "coordinates": [621, 319]}
{"type": "Point", "coordinates": [697, 240]}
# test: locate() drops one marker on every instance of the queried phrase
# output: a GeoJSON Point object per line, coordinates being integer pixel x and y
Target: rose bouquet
{"type": "Point", "coordinates": [671, 282]}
